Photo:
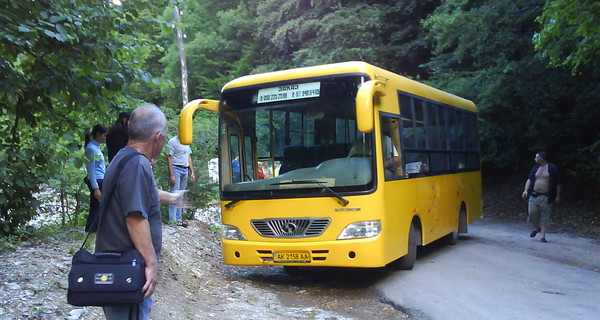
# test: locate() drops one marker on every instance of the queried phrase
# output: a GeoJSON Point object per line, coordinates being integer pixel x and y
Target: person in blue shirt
{"type": "Point", "coordinates": [95, 169]}
{"type": "Point", "coordinates": [235, 168]}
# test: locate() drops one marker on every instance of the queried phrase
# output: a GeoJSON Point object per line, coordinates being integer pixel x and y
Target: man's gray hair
{"type": "Point", "coordinates": [146, 120]}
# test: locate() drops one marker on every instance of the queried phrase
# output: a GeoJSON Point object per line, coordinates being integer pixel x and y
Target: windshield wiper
{"type": "Point", "coordinates": [232, 203]}
{"type": "Point", "coordinates": [321, 184]}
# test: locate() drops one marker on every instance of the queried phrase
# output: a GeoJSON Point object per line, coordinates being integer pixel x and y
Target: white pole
{"type": "Point", "coordinates": [184, 75]}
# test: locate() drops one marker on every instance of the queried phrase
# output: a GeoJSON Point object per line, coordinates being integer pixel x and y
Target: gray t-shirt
{"type": "Point", "coordinates": [179, 152]}
{"type": "Point", "coordinates": [135, 191]}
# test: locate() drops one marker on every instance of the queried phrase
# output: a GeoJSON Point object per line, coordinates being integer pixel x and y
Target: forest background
{"type": "Point", "coordinates": [531, 66]}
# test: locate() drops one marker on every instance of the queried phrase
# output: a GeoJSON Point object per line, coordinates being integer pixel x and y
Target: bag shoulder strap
{"type": "Point", "coordinates": [109, 191]}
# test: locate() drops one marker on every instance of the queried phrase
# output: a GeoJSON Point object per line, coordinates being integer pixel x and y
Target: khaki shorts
{"type": "Point", "coordinates": [540, 211]}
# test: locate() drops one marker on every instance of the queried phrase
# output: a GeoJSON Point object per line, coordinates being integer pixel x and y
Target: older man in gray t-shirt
{"type": "Point", "coordinates": [135, 191]}
{"type": "Point", "coordinates": [131, 218]}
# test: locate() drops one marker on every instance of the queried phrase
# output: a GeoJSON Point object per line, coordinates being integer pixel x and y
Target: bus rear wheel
{"type": "Point", "coordinates": [452, 237]}
{"type": "Point", "coordinates": [408, 261]}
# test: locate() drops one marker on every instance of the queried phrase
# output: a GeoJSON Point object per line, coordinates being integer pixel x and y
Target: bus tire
{"type": "Point", "coordinates": [408, 261]}
{"type": "Point", "coordinates": [452, 237]}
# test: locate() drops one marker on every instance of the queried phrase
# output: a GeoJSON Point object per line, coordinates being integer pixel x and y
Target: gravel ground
{"type": "Point", "coordinates": [194, 284]}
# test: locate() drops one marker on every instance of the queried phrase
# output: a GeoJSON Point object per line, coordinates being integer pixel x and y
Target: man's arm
{"type": "Point", "coordinates": [191, 169]}
{"type": "Point", "coordinates": [170, 166]}
{"type": "Point", "coordinates": [174, 198]}
{"type": "Point", "coordinates": [139, 232]}
{"type": "Point", "coordinates": [526, 191]}
{"type": "Point", "coordinates": [91, 174]}
{"type": "Point", "coordinates": [390, 163]}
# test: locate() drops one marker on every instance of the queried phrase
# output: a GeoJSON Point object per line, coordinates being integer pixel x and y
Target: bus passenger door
{"type": "Point", "coordinates": [241, 155]}
{"type": "Point", "coordinates": [249, 159]}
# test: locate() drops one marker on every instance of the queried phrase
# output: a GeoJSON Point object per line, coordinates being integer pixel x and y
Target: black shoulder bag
{"type": "Point", "coordinates": [106, 278]}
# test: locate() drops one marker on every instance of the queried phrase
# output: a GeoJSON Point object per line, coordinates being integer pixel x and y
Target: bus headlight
{"type": "Point", "coordinates": [232, 233]}
{"type": "Point", "coordinates": [363, 229]}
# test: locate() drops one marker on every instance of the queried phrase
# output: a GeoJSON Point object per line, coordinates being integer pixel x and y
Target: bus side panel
{"type": "Point", "coordinates": [474, 197]}
{"type": "Point", "coordinates": [435, 201]}
{"type": "Point", "coordinates": [400, 208]}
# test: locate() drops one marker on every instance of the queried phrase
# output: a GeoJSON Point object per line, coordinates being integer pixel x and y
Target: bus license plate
{"type": "Point", "coordinates": [291, 256]}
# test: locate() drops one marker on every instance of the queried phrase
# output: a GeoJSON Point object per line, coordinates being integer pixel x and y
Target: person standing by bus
{"type": "Point", "coordinates": [95, 170]}
{"type": "Point", "coordinates": [543, 188]}
{"type": "Point", "coordinates": [132, 218]}
{"type": "Point", "coordinates": [117, 136]}
{"type": "Point", "coordinates": [179, 161]}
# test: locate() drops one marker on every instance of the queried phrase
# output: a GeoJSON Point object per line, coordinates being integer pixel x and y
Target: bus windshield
{"type": "Point", "coordinates": [294, 139]}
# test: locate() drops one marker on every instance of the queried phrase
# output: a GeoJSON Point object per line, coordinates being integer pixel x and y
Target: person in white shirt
{"type": "Point", "coordinates": [179, 161]}
{"type": "Point", "coordinates": [390, 154]}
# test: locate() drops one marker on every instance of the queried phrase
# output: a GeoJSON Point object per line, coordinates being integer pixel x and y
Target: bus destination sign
{"type": "Point", "coordinates": [289, 92]}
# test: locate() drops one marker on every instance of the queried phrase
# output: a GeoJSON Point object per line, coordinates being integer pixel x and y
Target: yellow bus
{"type": "Point", "coordinates": [341, 165]}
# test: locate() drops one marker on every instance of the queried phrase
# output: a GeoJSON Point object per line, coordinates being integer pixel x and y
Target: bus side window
{"type": "Point", "coordinates": [417, 164]}
{"type": "Point", "coordinates": [390, 139]}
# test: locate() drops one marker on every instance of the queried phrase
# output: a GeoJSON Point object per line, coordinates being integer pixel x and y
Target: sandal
{"type": "Point", "coordinates": [534, 232]}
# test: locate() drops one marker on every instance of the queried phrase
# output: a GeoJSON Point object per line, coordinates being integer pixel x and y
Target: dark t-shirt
{"type": "Point", "coordinates": [116, 139]}
{"type": "Point", "coordinates": [135, 191]}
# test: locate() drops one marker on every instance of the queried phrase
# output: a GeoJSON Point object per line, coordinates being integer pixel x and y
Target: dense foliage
{"type": "Point", "coordinates": [65, 65]}
{"type": "Point", "coordinates": [484, 51]}
{"type": "Point", "coordinates": [531, 66]}
{"type": "Point", "coordinates": [569, 33]}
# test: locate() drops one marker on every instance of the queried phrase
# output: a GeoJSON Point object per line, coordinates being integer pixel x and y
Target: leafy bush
{"type": "Point", "coordinates": [65, 64]}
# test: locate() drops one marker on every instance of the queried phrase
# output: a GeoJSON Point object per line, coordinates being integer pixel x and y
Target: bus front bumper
{"type": "Point", "coordinates": [356, 253]}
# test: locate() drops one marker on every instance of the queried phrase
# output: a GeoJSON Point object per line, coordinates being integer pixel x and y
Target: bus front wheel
{"type": "Point", "coordinates": [408, 261]}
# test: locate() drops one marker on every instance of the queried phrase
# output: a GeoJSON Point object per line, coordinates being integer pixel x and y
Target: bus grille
{"type": "Point", "coordinates": [291, 227]}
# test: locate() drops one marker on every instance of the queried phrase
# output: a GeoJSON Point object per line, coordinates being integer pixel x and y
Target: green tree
{"type": "Point", "coordinates": [65, 65]}
{"type": "Point", "coordinates": [382, 32]}
{"type": "Point", "coordinates": [219, 47]}
{"type": "Point", "coordinates": [302, 33]}
{"type": "Point", "coordinates": [405, 46]}
{"type": "Point", "coordinates": [483, 51]}
{"type": "Point", "coordinates": [570, 34]}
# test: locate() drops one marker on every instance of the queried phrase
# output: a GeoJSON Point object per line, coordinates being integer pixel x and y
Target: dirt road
{"type": "Point", "coordinates": [499, 272]}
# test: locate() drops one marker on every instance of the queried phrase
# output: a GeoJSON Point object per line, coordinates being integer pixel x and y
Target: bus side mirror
{"type": "Point", "coordinates": [187, 114]}
{"type": "Point", "coordinates": [364, 104]}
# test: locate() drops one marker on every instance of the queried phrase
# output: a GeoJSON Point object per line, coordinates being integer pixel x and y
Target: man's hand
{"type": "Point", "coordinates": [139, 232]}
{"type": "Point", "coordinates": [193, 177]}
{"type": "Point", "coordinates": [151, 280]}
{"type": "Point", "coordinates": [176, 198]}
{"type": "Point", "coordinates": [525, 194]}
{"type": "Point", "coordinates": [179, 199]}
{"type": "Point", "coordinates": [97, 194]}
{"type": "Point", "coordinates": [172, 179]}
